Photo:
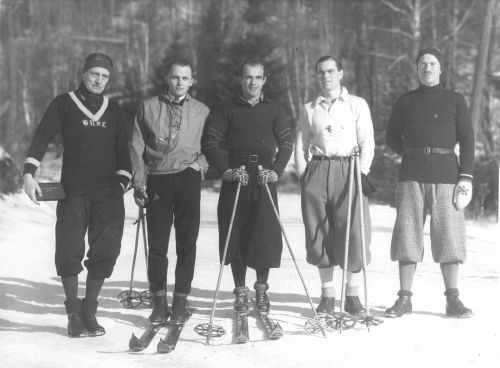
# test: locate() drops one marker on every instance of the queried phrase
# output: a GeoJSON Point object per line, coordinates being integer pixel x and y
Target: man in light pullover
{"type": "Point", "coordinates": [329, 128]}
{"type": "Point", "coordinates": [167, 168]}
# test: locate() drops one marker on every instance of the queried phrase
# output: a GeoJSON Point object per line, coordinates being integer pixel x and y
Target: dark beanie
{"type": "Point", "coordinates": [98, 59]}
{"type": "Point", "coordinates": [431, 51]}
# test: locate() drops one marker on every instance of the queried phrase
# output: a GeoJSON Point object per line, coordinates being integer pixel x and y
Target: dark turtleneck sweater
{"type": "Point", "coordinates": [432, 117]}
{"type": "Point", "coordinates": [96, 151]}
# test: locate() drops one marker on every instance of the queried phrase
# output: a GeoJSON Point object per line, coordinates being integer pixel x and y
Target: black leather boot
{"type": "Point", "coordinates": [261, 297]}
{"type": "Point", "coordinates": [180, 311]}
{"type": "Point", "coordinates": [326, 305]}
{"type": "Point", "coordinates": [76, 327]}
{"type": "Point", "coordinates": [159, 314]}
{"type": "Point", "coordinates": [402, 306]}
{"type": "Point", "coordinates": [89, 309]}
{"type": "Point", "coordinates": [241, 300]}
{"type": "Point", "coordinates": [454, 306]}
{"type": "Point", "coordinates": [353, 306]}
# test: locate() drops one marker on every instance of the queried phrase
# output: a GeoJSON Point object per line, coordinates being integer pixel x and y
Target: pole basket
{"type": "Point", "coordinates": [129, 299]}
{"type": "Point", "coordinates": [205, 329]}
{"type": "Point", "coordinates": [146, 298]}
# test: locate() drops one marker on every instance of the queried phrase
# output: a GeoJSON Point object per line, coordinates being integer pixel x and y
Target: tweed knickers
{"type": "Point", "coordinates": [447, 227]}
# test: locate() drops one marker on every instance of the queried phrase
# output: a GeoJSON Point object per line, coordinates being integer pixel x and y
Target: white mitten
{"type": "Point", "coordinates": [462, 194]}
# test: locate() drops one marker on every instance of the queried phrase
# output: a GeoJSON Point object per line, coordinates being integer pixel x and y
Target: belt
{"type": "Point", "coordinates": [249, 158]}
{"type": "Point", "coordinates": [430, 150]}
{"type": "Point", "coordinates": [330, 158]}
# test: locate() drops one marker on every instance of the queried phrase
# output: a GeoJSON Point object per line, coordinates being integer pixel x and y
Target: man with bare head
{"type": "Point", "coordinates": [247, 131]}
{"type": "Point", "coordinates": [329, 128]}
{"type": "Point", "coordinates": [167, 169]}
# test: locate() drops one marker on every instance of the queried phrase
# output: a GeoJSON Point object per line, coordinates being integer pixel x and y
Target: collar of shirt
{"type": "Point", "coordinates": [241, 100]}
{"type": "Point", "coordinates": [343, 96]}
{"type": "Point", "coordinates": [176, 101]}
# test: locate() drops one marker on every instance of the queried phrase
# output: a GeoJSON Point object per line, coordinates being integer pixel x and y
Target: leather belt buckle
{"type": "Point", "coordinates": [427, 150]}
{"type": "Point", "coordinates": [253, 158]}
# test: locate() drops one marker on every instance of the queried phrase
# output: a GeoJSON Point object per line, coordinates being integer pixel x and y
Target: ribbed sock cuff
{"type": "Point", "coordinates": [328, 291]}
{"type": "Point", "coordinates": [352, 290]}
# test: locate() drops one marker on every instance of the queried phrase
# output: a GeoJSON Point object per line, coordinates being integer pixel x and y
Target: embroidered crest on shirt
{"type": "Point", "coordinates": [332, 130]}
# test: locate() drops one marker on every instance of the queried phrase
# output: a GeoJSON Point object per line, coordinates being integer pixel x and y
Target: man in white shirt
{"type": "Point", "coordinates": [329, 128]}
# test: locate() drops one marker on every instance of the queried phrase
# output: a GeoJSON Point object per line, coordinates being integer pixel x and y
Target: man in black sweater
{"type": "Point", "coordinates": [424, 128]}
{"type": "Point", "coordinates": [247, 131]}
{"type": "Point", "coordinates": [95, 172]}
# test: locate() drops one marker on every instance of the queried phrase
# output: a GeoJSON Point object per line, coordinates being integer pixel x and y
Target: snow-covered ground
{"type": "Point", "coordinates": [33, 321]}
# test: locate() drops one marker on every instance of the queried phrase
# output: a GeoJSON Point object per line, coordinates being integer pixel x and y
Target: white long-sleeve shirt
{"type": "Point", "coordinates": [334, 129]}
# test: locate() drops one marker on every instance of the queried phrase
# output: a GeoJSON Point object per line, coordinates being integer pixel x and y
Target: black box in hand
{"type": "Point", "coordinates": [51, 192]}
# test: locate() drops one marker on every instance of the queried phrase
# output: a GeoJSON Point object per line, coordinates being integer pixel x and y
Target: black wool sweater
{"type": "Point", "coordinates": [432, 117]}
{"type": "Point", "coordinates": [95, 142]}
{"type": "Point", "coordinates": [241, 127]}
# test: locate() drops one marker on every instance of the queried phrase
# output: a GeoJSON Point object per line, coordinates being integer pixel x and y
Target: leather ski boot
{"type": "Point", "coordinates": [402, 306]}
{"type": "Point", "coordinates": [159, 314]}
{"type": "Point", "coordinates": [261, 298]}
{"type": "Point", "coordinates": [89, 309]}
{"type": "Point", "coordinates": [180, 311]}
{"type": "Point", "coordinates": [326, 305]}
{"type": "Point", "coordinates": [76, 327]}
{"type": "Point", "coordinates": [241, 300]}
{"type": "Point", "coordinates": [454, 306]}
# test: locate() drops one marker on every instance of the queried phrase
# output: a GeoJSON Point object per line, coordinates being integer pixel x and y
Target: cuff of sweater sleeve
{"type": "Point", "coordinates": [29, 169]}
{"type": "Point", "coordinates": [465, 177]}
{"type": "Point", "coordinates": [124, 181]}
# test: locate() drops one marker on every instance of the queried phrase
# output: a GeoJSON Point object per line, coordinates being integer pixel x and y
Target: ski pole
{"type": "Point", "coordinates": [347, 236]}
{"type": "Point", "coordinates": [369, 319]}
{"type": "Point", "coordinates": [127, 296]}
{"type": "Point", "coordinates": [223, 261]}
{"type": "Point", "coordinates": [293, 256]}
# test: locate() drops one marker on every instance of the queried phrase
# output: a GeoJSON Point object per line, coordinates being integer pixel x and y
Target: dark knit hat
{"type": "Point", "coordinates": [98, 59]}
{"type": "Point", "coordinates": [431, 51]}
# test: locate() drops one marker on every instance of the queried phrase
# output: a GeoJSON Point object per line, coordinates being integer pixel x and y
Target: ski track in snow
{"type": "Point", "coordinates": [33, 320]}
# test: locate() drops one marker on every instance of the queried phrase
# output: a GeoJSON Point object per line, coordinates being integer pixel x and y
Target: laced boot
{"type": "Point", "coordinates": [326, 305]}
{"type": "Point", "coordinates": [241, 300]}
{"type": "Point", "coordinates": [89, 309]}
{"type": "Point", "coordinates": [454, 306]}
{"type": "Point", "coordinates": [353, 306]}
{"type": "Point", "coordinates": [261, 298]}
{"type": "Point", "coordinates": [402, 305]}
{"type": "Point", "coordinates": [76, 327]}
{"type": "Point", "coordinates": [159, 314]}
{"type": "Point", "coordinates": [180, 311]}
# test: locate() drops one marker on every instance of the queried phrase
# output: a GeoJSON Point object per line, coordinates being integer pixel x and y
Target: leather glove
{"type": "Point", "coordinates": [366, 185]}
{"type": "Point", "coordinates": [462, 193]}
{"type": "Point", "coordinates": [140, 196]}
{"type": "Point", "coordinates": [239, 175]}
{"type": "Point", "coordinates": [267, 176]}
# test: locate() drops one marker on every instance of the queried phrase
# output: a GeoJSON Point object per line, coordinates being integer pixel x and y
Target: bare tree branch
{"type": "Point", "coordinates": [395, 8]}
{"type": "Point", "coordinates": [392, 30]}
{"type": "Point", "coordinates": [461, 22]}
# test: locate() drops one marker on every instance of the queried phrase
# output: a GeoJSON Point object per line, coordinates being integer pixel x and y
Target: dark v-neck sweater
{"type": "Point", "coordinates": [432, 117]}
{"type": "Point", "coordinates": [95, 150]}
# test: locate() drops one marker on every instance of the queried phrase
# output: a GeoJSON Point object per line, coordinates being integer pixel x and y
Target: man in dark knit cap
{"type": "Point", "coordinates": [95, 172]}
{"type": "Point", "coordinates": [424, 128]}
{"type": "Point", "coordinates": [247, 131]}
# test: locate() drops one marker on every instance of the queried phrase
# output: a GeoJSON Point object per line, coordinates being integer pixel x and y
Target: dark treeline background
{"type": "Point", "coordinates": [44, 42]}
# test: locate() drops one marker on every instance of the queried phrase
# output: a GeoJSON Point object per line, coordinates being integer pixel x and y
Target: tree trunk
{"type": "Point", "coordinates": [480, 71]}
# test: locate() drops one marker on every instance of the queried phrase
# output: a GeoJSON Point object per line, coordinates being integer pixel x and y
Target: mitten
{"type": "Point", "coordinates": [266, 176]}
{"type": "Point", "coordinates": [462, 193]}
{"type": "Point", "coordinates": [239, 175]}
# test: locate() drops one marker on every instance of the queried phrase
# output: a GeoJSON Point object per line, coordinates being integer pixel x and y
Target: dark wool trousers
{"type": "Point", "coordinates": [178, 204]}
{"type": "Point", "coordinates": [100, 214]}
